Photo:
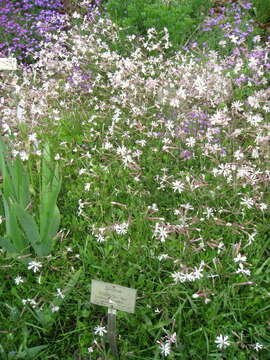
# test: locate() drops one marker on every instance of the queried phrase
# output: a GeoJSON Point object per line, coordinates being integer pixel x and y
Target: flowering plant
{"type": "Point", "coordinates": [22, 231]}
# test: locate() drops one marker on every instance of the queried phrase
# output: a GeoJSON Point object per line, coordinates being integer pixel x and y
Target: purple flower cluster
{"type": "Point", "coordinates": [196, 123]}
{"type": "Point", "coordinates": [223, 20]}
{"type": "Point", "coordinates": [24, 23]}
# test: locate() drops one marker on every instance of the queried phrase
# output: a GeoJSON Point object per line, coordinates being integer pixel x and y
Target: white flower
{"type": "Point", "coordinates": [238, 155]}
{"type": "Point", "coordinates": [241, 270]}
{"type": "Point", "coordinates": [208, 212]}
{"type": "Point", "coordinates": [32, 302]}
{"type": "Point", "coordinates": [87, 186]}
{"type": "Point", "coordinates": [248, 202]}
{"type": "Point", "coordinates": [255, 153]}
{"type": "Point", "coordinates": [100, 238]}
{"type": "Point", "coordinates": [163, 257]}
{"type": "Point", "coordinates": [190, 142]}
{"type": "Point", "coordinates": [263, 206]}
{"type": "Point", "coordinates": [258, 346]}
{"type": "Point", "coordinates": [32, 137]}
{"type": "Point", "coordinates": [256, 39]}
{"type": "Point", "coordinates": [60, 294]}
{"type": "Point", "coordinates": [254, 120]}
{"type": "Point", "coordinates": [178, 186]}
{"type": "Point", "coordinates": [240, 258]}
{"type": "Point", "coordinates": [23, 155]}
{"type": "Point", "coordinates": [121, 229]}
{"type": "Point", "coordinates": [100, 330]}
{"type": "Point", "coordinates": [18, 280]}
{"type": "Point", "coordinates": [160, 232]}
{"type": "Point", "coordinates": [222, 43]}
{"type": "Point", "coordinates": [237, 106]}
{"type": "Point", "coordinates": [76, 15]}
{"type": "Point", "coordinates": [55, 308]}
{"type": "Point", "coordinates": [90, 349]}
{"type": "Point", "coordinates": [82, 171]}
{"type": "Point", "coordinates": [165, 349]}
{"type": "Point", "coordinates": [222, 341]}
{"type": "Point", "coordinates": [172, 338]}
{"type": "Point", "coordinates": [34, 265]}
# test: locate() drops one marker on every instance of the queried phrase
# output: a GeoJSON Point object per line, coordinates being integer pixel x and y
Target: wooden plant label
{"type": "Point", "coordinates": [8, 63]}
{"type": "Point", "coordinates": [113, 296]}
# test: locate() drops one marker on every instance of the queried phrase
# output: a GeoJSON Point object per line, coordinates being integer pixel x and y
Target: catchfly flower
{"type": "Point", "coordinates": [100, 330]}
{"type": "Point", "coordinates": [34, 265]}
{"type": "Point", "coordinates": [165, 348]}
{"type": "Point", "coordinates": [222, 341]}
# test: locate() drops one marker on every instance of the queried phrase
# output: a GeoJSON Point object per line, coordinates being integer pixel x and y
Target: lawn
{"type": "Point", "coordinates": [128, 161]}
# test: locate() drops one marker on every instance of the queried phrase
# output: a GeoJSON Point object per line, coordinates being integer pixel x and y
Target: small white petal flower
{"type": "Point", "coordinates": [240, 258]}
{"type": "Point", "coordinates": [222, 341]}
{"type": "Point", "coordinates": [178, 186]}
{"type": "Point", "coordinates": [60, 294]}
{"type": "Point", "coordinates": [100, 330]}
{"type": "Point", "coordinates": [34, 265]}
{"type": "Point", "coordinates": [165, 348]}
{"type": "Point", "coordinates": [121, 229]}
{"type": "Point", "coordinates": [18, 280]}
{"type": "Point", "coordinates": [23, 155]}
{"type": "Point", "coordinates": [258, 346]}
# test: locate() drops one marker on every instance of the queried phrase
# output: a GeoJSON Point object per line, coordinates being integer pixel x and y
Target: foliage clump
{"type": "Point", "coordinates": [181, 18]}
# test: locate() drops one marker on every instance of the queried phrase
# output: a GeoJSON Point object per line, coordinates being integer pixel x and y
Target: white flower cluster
{"type": "Point", "coordinates": [183, 276]}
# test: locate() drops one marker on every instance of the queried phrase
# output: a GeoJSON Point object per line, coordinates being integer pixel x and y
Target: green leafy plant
{"type": "Point", "coordinates": [181, 18]}
{"type": "Point", "coordinates": [262, 10]}
{"type": "Point", "coordinates": [22, 229]}
{"type": "Point", "coordinates": [23, 351]}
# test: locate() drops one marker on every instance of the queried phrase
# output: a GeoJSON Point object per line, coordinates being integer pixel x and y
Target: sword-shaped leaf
{"type": "Point", "coordinates": [7, 245]}
{"type": "Point", "coordinates": [13, 230]}
{"type": "Point", "coordinates": [49, 213]}
{"type": "Point", "coordinates": [30, 229]}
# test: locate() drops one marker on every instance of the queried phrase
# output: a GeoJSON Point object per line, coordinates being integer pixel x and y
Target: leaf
{"type": "Point", "coordinates": [52, 231]}
{"type": "Point", "coordinates": [15, 179]}
{"type": "Point", "coordinates": [7, 245]}
{"type": "Point", "coordinates": [34, 351]}
{"type": "Point", "coordinates": [13, 230]}
{"type": "Point", "coordinates": [49, 213]}
{"type": "Point", "coordinates": [30, 228]}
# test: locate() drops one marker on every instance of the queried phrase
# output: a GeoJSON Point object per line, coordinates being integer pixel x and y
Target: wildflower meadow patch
{"type": "Point", "coordinates": [132, 165]}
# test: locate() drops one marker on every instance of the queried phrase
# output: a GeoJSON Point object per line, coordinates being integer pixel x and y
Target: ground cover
{"type": "Point", "coordinates": [165, 188]}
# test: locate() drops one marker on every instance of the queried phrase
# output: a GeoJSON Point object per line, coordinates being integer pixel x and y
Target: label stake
{"type": "Point", "coordinates": [112, 331]}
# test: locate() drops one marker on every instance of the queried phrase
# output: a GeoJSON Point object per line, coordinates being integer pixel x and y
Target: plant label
{"type": "Point", "coordinates": [113, 296]}
{"type": "Point", "coordinates": [8, 63]}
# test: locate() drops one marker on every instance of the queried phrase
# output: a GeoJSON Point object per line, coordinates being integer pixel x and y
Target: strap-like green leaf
{"type": "Point", "coordinates": [30, 228]}
{"type": "Point", "coordinates": [13, 230]}
{"type": "Point", "coordinates": [51, 185]}
{"type": "Point", "coordinates": [7, 245]}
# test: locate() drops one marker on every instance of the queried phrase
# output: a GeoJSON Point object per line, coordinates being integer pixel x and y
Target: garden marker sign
{"type": "Point", "coordinates": [114, 297]}
{"type": "Point", "coordinates": [8, 63]}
